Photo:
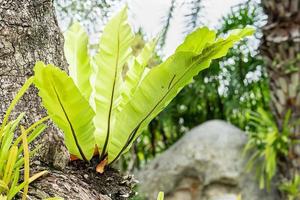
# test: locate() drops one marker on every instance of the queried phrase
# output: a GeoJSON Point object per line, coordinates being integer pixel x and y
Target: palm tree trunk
{"type": "Point", "coordinates": [281, 48]}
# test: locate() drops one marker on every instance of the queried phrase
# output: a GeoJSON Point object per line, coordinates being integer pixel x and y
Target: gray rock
{"type": "Point", "coordinates": [206, 164]}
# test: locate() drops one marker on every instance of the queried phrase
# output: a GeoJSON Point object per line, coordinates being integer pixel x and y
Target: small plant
{"type": "Point", "coordinates": [266, 143]}
{"type": "Point", "coordinates": [291, 188]}
{"type": "Point", "coordinates": [160, 196]}
{"type": "Point", "coordinates": [109, 98]}
{"type": "Point", "coordinates": [14, 154]}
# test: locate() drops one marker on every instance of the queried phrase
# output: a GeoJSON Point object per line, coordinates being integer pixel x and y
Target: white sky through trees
{"type": "Point", "coordinates": [149, 15]}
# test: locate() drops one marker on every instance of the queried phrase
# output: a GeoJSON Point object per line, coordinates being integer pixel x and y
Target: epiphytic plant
{"type": "Point", "coordinates": [109, 98]}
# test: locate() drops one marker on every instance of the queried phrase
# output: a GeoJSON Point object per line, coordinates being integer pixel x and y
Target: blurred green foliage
{"type": "Point", "coordinates": [266, 144]}
{"type": "Point", "coordinates": [291, 188]}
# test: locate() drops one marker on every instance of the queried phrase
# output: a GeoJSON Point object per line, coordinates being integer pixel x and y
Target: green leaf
{"type": "Point", "coordinates": [20, 161]}
{"type": "Point", "coordinates": [15, 179]}
{"type": "Point", "coordinates": [135, 73]}
{"type": "Point", "coordinates": [114, 51]}
{"type": "Point", "coordinates": [35, 133]}
{"type": "Point", "coordinates": [3, 185]}
{"type": "Point", "coordinates": [67, 108]}
{"type": "Point", "coordinates": [160, 196]}
{"type": "Point", "coordinates": [163, 82]}
{"type": "Point", "coordinates": [19, 187]}
{"type": "Point", "coordinates": [31, 128]}
{"type": "Point", "coordinates": [196, 41]}
{"type": "Point", "coordinates": [26, 163]}
{"type": "Point", "coordinates": [7, 140]}
{"type": "Point", "coordinates": [77, 55]}
{"type": "Point", "coordinates": [20, 93]}
{"type": "Point", "coordinates": [9, 169]}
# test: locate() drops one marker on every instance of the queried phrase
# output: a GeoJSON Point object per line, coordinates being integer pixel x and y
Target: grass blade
{"type": "Point", "coordinates": [26, 163]}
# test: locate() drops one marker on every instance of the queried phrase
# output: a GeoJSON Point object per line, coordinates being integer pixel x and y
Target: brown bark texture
{"type": "Point", "coordinates": [281, 48]}
{"type": "Point", "coordinates": [28, 33]}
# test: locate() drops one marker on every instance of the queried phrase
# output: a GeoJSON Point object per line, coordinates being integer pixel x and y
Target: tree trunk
{"type": "Point", "coordinates": [29, 33]}
{"type": "Point", "coordinates": [281, 47]}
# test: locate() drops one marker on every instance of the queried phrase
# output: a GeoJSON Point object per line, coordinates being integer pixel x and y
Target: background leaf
{"type": "Point", "coordinates": [114, 50]}
{"type": "Point", "coordinates": [77, 55]}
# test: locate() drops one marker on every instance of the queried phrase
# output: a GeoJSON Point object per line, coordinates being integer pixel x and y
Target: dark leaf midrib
{"type": "Point", "coordinates": [71, 126]}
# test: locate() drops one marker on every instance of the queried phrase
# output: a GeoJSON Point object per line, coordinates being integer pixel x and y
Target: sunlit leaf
{"type": "Point", "coordinates": [114, 51]}
{"type": "Point", "coordinates": [160, 196]}
{"type": "Point", "coordinates": [136, 70]}
{"type": "Point", "coordinates": [26, 163]}
{"type": "Point", "coordinates": [67, 108]}
{"type": "Point", "coordinates": [163, 82]}
{"type": "Point", "coordinates": [77, 55]}
{"type": "Point", "coordinates": [15, 101]}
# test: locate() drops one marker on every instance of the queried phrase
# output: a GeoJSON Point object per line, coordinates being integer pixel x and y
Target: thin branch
{"type": "Point", "coordinates": [192, 18]}
{"type": "Point", "coordinates": [167, 23]}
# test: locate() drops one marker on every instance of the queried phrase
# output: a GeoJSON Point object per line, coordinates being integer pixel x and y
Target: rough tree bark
{"type": "Point", "coordinates": [281, 46]}
{"type": "Point", "coordinates": [29, 33]}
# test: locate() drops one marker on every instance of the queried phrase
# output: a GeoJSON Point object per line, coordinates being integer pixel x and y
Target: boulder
{"type": "Point", "coordinates": [205, 164]}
